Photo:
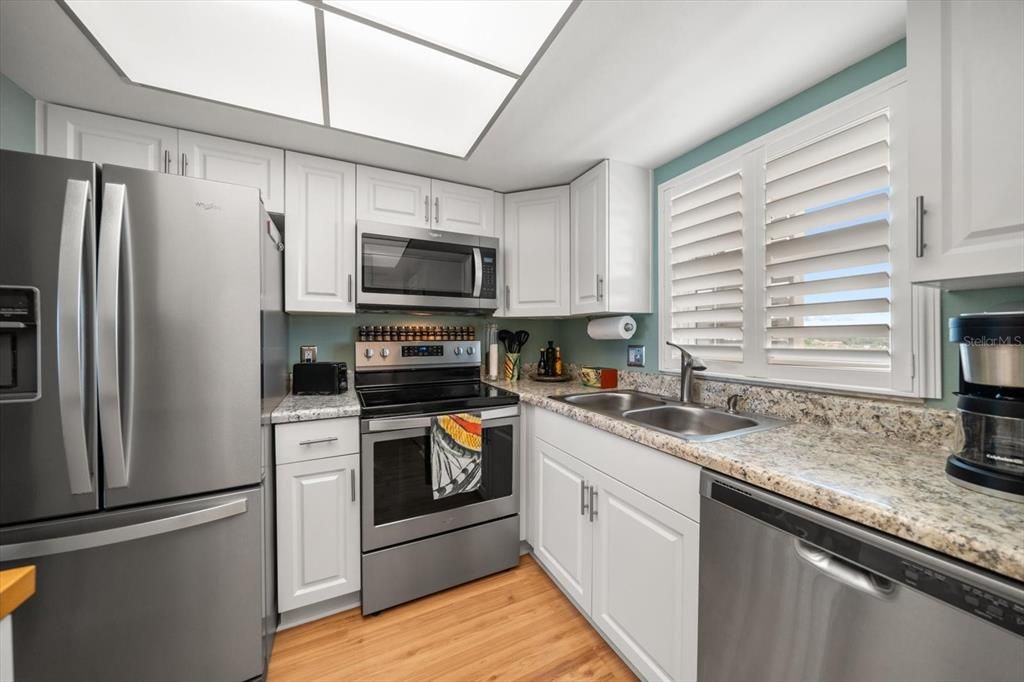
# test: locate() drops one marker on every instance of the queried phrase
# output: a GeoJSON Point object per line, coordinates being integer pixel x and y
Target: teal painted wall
{"type": "Point", "coordinates": [17, 117]}
{"type": "Point", "coordinates": [335, 335]}
{"type": "Point", "coordinates": [579, 348]}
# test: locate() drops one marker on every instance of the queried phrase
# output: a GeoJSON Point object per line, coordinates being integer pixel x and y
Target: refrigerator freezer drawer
{"type": "Point", "coordinates": [167, 592]}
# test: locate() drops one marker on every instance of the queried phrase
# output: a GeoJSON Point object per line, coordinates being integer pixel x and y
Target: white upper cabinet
{"type": "Point", "coordinates": [414, 201]}
{"type": "Point", "coordinates": [966, 80]}
{"type": "Point", "coordinates": [461, 208]}
{"type": "Point", "coordinates": [611, 240]}
{"type": "Point", "coordinates": [77, 134]}
{"type": "Point", "coordinates": [536, 248]}
{"type": "Point", "coordinates": [240, 163]}
{"type": "Point", "coordinates": [320, 260]}
{"type": "Point", "coordinates": [389, 197]}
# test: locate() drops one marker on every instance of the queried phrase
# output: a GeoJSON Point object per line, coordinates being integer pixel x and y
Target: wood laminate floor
{"type": "Point", "coordinates": [514, 625]}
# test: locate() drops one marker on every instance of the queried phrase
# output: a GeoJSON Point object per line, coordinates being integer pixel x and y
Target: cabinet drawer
{"type": "Point", "coordinates": [316, 439]}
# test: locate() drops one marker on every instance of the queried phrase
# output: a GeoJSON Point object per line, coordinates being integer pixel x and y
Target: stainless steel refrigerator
{"type": "Point", "coordinates": [142, 346]}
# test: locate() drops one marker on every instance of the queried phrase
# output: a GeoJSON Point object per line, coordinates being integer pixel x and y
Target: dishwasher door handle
{"type": "Point", "coordinates": [843, 571]}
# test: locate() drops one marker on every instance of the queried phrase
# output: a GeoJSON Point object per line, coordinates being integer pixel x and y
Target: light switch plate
{"type": "Point", "coordinates": [635, 356]}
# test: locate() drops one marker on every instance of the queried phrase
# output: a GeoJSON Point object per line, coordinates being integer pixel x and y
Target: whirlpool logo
{"type": "Point", "coordinates": [207, 206]}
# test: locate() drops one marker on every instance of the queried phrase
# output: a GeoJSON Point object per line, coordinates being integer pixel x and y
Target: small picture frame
{"type": "Point", "coordinates": [634, 356]}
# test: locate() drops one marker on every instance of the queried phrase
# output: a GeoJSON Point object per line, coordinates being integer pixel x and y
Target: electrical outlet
{"type": "Point", "coordinates": [307, 353]}
{"type": "Point", "coordinates": [635, 356]}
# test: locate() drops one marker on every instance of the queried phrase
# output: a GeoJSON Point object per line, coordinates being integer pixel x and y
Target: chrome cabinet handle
{"type": "Point", "coordinates": [437, 210]}
{"type": "Point", "coordinates": [426, 210]}
{"type": "Point", "coordinates": [352, 477]}
{"type": "Point", "coordinates": [112, 331]}
{"type": "Point", "coordinates": [184, 164]}
{"type": "Point", "coordinates": [167, 161]}
{"type": "Point", "coordinates": [71, 334]}
{"type": "Point", "coordinates": [583, 498]}
{"type": "Point", "coordinates": [314, 441]}
{"type": "Point", "coordinates": [593, 503]}
{"type": "Point", "coordinates": [920, 212]}
{"type": "Point", "coordinates": [112, 536]}
{"type": "Point", "coordinates": [350, 288]}
{"type": "Point", "coordinates": [843, 571]}
{"type": "Point", "coordinates": [600, 287]}
{"type": "Point", "coordinates": [508, 297]}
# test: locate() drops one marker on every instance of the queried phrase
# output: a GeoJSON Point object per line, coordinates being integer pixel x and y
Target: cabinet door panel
{"type": "Point", "coordinates": [564, 536]}
{"type": "Point", "coordinates": [537, 252]}
{"type": "Point", "coordinates": [645, 581]}
{"type": "Point", "coordinates": [321, 235]}
{"type": "Point", "coordinates": [589, 240]}
{"type": "Point", "coordinates": [318, 530]}
{"type": "Point", "coordinates": [461, 208]}
{"type": "Point", "coordinates": [240, 163]}
{"type": "Point", "coordinates": [389, 197]}
{"type": "Point", "coordinates": [967, 138]}
{"type": "Point", "coordinates": [85, 135]}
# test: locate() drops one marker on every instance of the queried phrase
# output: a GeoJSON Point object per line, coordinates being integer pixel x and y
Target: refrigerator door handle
{"type": "Point", "coordinates": [71, 335]}
{"type": "Point", "coordinates": [111, 536]}
{"type": "Point", "coordinates": [115, 426]}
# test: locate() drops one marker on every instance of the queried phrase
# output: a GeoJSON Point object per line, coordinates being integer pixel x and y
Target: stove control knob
{"type": "Point", "coordinates": [384, 352]}
{"type": "Point", "coordinates": [368, 353]}
{"type": "Point", "coordinates": [469, 350]}
{"type": "Point", "coordinates": [457, 351]}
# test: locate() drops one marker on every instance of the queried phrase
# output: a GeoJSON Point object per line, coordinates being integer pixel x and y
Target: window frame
{"type": "Point", "coordinates": [915, 366]}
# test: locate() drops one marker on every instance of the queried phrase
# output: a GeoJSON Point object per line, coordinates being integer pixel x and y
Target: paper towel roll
{"type": "Point", "coordinates": [619, 328]}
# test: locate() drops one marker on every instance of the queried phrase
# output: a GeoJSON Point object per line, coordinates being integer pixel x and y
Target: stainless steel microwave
{"type": "Point", "coordinates": [416, 267]}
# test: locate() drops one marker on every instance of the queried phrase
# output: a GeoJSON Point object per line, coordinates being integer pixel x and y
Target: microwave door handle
{"type": "Point", "coordinates": [478, 272]}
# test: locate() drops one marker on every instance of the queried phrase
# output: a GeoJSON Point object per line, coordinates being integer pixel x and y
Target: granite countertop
{"type": "Point", "coordinates": [300, 408]}
{"type": "Point", "coordinates": [894, 486]}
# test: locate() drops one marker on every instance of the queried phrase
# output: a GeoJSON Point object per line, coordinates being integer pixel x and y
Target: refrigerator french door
{"type": "Point", "coordinates": [130, 450]}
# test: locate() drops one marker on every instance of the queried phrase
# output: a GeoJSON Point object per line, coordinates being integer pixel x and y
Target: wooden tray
{"type": "Point", "coordinates": [564, 377]}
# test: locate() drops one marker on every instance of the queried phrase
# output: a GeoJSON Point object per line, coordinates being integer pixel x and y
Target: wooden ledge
{"type": "Point", "coordinates": [16, 585]}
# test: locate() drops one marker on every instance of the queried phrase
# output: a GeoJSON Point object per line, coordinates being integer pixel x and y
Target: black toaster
{"type": "Point", "coordinates": [319, 378]}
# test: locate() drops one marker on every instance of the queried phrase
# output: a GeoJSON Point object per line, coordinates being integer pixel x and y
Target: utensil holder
{"type": "Point", "coordinates": [512, 366]}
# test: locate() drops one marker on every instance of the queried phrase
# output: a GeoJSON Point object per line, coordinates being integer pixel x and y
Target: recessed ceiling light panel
{"type": "Point", "coordinates": [503, 33]}
{"type": "Point", "coordinates": [258, 54]}
{"type": "Point", "coordinates": [385, 86]}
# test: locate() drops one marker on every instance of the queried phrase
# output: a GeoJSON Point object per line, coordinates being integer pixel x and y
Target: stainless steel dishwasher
{"type": "Point", "coordinates": [791, 593]}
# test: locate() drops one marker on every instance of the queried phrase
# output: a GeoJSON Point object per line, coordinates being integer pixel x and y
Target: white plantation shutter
{"type": "Point", "coordinates": [826, 239]}
{"type": "Point", "coordinates": [705, 265]}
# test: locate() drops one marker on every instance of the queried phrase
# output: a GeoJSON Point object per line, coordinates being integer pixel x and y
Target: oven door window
{"type": "Point", "coordinates": [393, 265]}
{"type": "Point", "coordinates": [402, 483]}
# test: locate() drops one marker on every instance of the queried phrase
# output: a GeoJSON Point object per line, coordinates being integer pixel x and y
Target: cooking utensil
{"type": "Point", "coordinates": [521, 337]}
{"type": "Point", "coordinates": [505, 337]}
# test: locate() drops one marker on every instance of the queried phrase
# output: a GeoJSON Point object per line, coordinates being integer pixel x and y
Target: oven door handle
{"type": "Point", "coordinates": [400, 423]}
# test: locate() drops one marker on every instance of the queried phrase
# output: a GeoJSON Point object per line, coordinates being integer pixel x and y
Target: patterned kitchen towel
{"type": "Point", "coordinates": [455, 448]}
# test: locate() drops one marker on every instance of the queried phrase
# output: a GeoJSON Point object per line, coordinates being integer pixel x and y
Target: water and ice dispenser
{"type": "Point", "coordinates": [19, 343]}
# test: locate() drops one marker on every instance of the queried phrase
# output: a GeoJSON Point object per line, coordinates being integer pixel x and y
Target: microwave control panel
{"type": "Point", "coordinates": [489, 288]}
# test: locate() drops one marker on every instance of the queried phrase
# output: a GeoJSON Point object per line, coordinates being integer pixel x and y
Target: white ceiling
{"type": "Point", "coordinates": [640, 82]}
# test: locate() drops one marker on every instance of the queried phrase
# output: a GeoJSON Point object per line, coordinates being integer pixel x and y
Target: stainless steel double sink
{"type": "Point", "coordinates": [686, 421]}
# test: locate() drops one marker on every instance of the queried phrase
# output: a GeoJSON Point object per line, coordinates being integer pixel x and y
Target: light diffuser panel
{"type": "Point", "coordinates": [504, 33]}
{"type": "Point", "coordinates": [388, 87]}
{"type": "Point", "coordinates": [259, 54]}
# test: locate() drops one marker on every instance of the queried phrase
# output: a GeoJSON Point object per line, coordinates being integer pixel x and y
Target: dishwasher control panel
{"type": "Point", "coordinates": [1001, 611]}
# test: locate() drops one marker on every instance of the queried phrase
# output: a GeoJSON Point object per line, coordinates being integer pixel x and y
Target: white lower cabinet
{"type": "Point", "coordinates": [564, 540]}
{"type": "Point", "coordinates": [624, 553]}
{"type": "Point", "coordinates": [318, 550]}
{"type": "Point", "coordinates": [645, 580]}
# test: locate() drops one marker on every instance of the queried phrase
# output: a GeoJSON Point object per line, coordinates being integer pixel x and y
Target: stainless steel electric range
{"type": "Point", "coordinates": [412, 543]}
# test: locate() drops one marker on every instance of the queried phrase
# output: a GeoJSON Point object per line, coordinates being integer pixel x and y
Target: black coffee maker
{"type": "Point", "coordinates": [990, 402]}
